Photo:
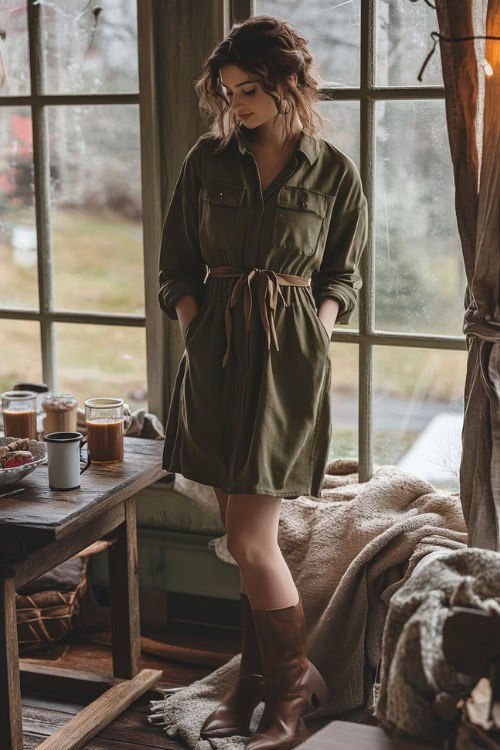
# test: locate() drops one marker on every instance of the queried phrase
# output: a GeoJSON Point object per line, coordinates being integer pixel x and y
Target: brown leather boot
{"type": "Point", "coordinates": [292, 683]}
{"type": "Point", "coordinates": [234, 713]}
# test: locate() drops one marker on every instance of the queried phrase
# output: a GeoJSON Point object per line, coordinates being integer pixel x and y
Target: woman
{"type": "Point", "coordinates": [278, 216]}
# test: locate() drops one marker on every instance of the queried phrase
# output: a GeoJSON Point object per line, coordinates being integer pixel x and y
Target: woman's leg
{"type": "Point", "coordinates": [233, 714]}
{"type": "Point", "coordinates": [222, 499]}
{"type": "Point", "coordinates": [252, 522]}
{"type": "Point", "coordinates": [291, 682]}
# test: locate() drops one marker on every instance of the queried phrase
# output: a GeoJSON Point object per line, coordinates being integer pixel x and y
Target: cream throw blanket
{"type": "Point", "coordinates": [348, 553]}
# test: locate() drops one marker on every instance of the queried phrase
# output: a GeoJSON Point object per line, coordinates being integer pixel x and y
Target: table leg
{"type": "Point", "coordinates": [11, 720]}
{"type": "Point", "coordinates": [124, 597]}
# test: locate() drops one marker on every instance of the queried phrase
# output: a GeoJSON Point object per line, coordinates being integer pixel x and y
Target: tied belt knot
{"type": "Point", "coordinates": [268, 291]}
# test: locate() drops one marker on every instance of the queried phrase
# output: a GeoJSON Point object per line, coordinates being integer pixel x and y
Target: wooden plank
{"type": "Point", "coordinates": [46, 558]}
{"type": "Point", "coordinates": [124, 597]}
{"type": "Point", "coordinates": [48, 509]}
{"type": "Point", "coordinates": [11, 728]}
{"type": "Point", "coordinates": [98, 714]}
{"type": "Point", "coordinates": [102, 742]}
{"type": "Point", "coordinates": [139, 454]}
{"type": "Point", "coordinates": [112, 498]}
{"type": "Point", "coordinates": [130, 731]}
{"type": "Point", "coordinates": [48, 678]}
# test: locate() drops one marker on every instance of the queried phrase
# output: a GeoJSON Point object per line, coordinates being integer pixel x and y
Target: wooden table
{"type": "Point", "coordinates": [41, 528]}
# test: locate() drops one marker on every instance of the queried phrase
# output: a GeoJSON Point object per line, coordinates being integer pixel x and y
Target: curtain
{"type": "Point", "coordinates": [473, 121]}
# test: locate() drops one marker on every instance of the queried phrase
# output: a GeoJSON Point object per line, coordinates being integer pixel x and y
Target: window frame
{"type": "Point", "coordinates": [38, 102]}
{"type": "Point", "coordinates": [159, 372]}
{"type": "Point", "coordinates": [367, 336]}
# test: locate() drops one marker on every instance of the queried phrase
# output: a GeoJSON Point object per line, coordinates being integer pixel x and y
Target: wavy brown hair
{"type": "Point", "coordinates": [271, 50]}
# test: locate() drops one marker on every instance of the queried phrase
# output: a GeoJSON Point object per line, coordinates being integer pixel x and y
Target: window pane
{"type": "Point", "coordinates": [14, 49]}
{"type": "Point", "coordinates": [418, 412]}
{"type": "Point", "coordinates": [344, 134]}
{"type": "Point", "coordinates": [403, 42]}
{"type": "Point", "coordinates": [96, 208]}
{"type": "Point", "coordinates": [18, 254]}
{"type": "Point", "coordinates": [344, 400]}
{"type": "Point", "coordinates": [90, 47]}
{"type": "Point", "coordinates": [20, 339]}
{"type": "Point", "coordinates": [332, 30]}
{"type": "Point", "coordinates": [96, 360]}
{"type": "Point", "coordinates": [420, 277]}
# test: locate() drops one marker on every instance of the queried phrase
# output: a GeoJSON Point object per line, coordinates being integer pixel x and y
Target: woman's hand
{"type": "Point", "coordinates": [186, 308]}
{"type": "Point", "coordinates": [185, 326]}
{"type": "Point", "coordinates": [328, 331]}
{"type": "Point", "coordinates": [327, 313]}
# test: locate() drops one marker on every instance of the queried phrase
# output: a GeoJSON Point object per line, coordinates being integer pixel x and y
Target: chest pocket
{"type": "Point", "coordinates": [219, 214]}
{"type": "Point", "coordinates": [300, 219]}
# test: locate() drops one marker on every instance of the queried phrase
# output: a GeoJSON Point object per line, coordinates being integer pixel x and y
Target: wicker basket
{"type": "Point", "coordinates": [47, 616]}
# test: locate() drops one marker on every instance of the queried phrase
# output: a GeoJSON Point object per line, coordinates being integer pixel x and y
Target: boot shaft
{"type": "Point", "coordinates": [282, 639]}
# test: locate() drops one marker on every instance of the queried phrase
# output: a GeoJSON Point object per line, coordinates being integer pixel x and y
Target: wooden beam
{"type": "Point", "coordinates": [98, 714]}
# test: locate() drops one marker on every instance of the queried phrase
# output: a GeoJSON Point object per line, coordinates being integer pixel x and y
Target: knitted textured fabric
{"type": "Point", "coordinates": [181, 712]}
{"type": "Point", "coordinates": [348, 553]}
{"type": "Point", "coordinates": [419, 688]}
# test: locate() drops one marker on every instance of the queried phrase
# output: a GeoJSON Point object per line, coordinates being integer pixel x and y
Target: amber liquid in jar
{"type": "Point", "coordinates": [19, 424]}
{"type": "Point", "coordinates": [105, 439]}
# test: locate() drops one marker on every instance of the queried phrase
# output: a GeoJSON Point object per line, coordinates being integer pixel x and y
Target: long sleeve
{"type": "Point", "coordinates": [338, 275]}
{"type": "Point", "coordinates": [182, 269]}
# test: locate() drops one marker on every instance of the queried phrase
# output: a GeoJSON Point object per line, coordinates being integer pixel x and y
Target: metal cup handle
{"type": "Point", "coordinates": [89, 457]}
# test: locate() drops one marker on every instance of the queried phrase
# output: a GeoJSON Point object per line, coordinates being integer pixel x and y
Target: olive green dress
{"type": "Point", "coordinates": [250, 407]}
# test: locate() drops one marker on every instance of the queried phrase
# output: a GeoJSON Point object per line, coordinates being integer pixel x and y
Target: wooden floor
{"type": "Point", "coordinates": [186, 651]}
{"type": "Point", "coordinates": [89, 650]}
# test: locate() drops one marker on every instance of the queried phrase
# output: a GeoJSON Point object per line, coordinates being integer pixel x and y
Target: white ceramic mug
{"type": "Point", "coordinates": [64, 457]}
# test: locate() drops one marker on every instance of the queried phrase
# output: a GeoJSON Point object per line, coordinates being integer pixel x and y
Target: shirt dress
{"type": "Point", "coordinates": [250, 407]}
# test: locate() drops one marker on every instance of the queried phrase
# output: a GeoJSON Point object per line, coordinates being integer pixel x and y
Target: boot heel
{"type": "Point", "coordinates": [317, 688]}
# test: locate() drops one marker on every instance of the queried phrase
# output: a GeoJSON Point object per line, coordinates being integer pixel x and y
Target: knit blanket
{"type": "Point", "coordinates": [348, 552]}
{"type": "Point", "coordinates": [419, 690]}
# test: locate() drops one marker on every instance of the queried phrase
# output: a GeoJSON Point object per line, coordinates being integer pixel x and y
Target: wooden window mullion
{"type": "Point", "coordinates": [41, 166]}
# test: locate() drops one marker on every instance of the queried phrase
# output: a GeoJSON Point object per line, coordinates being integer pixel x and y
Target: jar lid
{"type": "Point", "coordinates": [103, 403]}
{"type": "Point", "coordinates": [19, 395]}
{"type": "Point", "coordinates": [60, 395]}
{"type": "Point", "coordinates": [37, 387]}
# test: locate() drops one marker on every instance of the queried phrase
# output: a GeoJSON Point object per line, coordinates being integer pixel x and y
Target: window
{"type": "Point", "coordinates": [72, 304]}
{"type": "Point", "coordinates": [73, 260]}
{"type": "Point", "coordinates": [399, 366]}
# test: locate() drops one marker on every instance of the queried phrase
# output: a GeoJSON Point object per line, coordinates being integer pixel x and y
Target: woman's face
{"type": "Point", "coordinates": [246, 96]}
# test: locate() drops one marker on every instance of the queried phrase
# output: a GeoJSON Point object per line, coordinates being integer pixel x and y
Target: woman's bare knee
{"type": "Point", "coordinates": [249, 552]}
{"type": "Point", "coordinates": [222, 498]}
{"type": "Point", "coordinates": [252, 527]}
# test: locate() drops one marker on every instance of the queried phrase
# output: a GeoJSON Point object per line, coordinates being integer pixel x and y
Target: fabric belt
{"type": "Point", "coordinates": [268, 283]}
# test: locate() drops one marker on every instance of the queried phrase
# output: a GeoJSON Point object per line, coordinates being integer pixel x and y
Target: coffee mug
{"type": "Point", "coordinates": [64, 458]}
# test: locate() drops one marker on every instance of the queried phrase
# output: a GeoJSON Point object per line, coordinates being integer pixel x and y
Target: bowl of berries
{"type": "Point", "coordinates": [19, 457]}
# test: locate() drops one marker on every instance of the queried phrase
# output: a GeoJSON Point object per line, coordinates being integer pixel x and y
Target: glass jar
{"type": "Point", "coordinates": [60, 413]}
{"type": "Point", "coordinates": [105, 419]}
{"type": "Point", "coordinates": [19, 414]}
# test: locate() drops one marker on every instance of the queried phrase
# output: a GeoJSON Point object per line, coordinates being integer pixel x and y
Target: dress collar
{"type": "Point", "coordinates": [308, 144]}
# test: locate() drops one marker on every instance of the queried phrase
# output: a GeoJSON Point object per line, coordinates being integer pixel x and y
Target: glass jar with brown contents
{"type": "Point", "coordinates": [60, 413]}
